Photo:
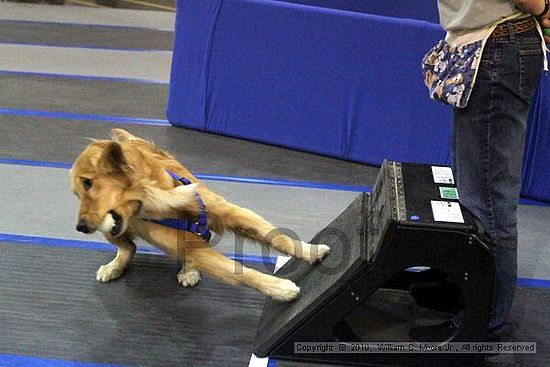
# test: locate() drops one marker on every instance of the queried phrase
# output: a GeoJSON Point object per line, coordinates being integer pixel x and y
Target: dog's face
{"type": "Point", "coordinates": [101, 178]}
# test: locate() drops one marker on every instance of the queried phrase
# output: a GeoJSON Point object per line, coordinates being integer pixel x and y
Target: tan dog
{"type": "Point", "coordinates": [123, 184]}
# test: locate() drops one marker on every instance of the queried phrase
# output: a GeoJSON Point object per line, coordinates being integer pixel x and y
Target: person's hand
{"type": "Point", "coordinates": [545, 23]}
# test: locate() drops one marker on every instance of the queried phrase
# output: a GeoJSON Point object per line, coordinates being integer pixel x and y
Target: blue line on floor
{"type": "Point", "coordinates": [26, 162]}
{"type": "Point", "coordinates": [533, 283]}
{"type": "Point", "coordinates": [60, 242]}
{"type": "Point", "coordinates": [84, 117]}
{"type": "Point", "coordinates": [201, 176]}
{"type": "Point", "coordinates": [90, 47]}
{"type": "Point", "coordinates": [9, 360]}
{"type": "Point", "coordinates": [252, 180]}
{"type": "Point", "coordinates": [8, 238]}
{"type": "Point", "coordinates": [89, 25]}
{"type": "Point", "coordinates": [527, 201]}
{"type": "Point", "coordinates": [104, 246]}
{"type": "Point", "coordinates": [282, 182]}
{"type": "Point", "coordinates": [81, 77]}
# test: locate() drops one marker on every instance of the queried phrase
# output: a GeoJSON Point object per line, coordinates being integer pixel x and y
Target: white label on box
{"type": "Point", "coordinates": [447, 211]}
{"type": "Point", "coordinates": [443, 175]}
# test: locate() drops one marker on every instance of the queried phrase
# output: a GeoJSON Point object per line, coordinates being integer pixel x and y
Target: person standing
{"type": "Point", "coordinates": [488, 68]}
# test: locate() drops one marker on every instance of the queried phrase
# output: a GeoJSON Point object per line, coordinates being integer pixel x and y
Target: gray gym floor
{"type": "Point", "coordinates": [69, 73]}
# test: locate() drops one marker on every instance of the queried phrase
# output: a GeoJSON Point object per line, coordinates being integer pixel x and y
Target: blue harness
{"type": "Point", "coordinates": [199, 227]}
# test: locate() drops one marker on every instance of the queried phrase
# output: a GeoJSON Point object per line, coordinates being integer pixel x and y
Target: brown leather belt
{"type": "Point", "coordinates": [519, 27]}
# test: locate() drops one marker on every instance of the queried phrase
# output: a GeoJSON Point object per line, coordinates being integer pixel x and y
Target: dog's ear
{"type": "Point", "coordinates": [120, 135]}
{"type": "Point", "coordinates": [112, 160]}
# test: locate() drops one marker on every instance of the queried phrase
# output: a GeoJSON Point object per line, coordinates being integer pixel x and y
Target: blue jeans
{"type": "Point", "coordinates": [488, 146]}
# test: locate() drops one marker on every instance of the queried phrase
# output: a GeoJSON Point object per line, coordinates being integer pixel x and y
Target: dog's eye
{"type": "Point", "coordinates": [87, 183]}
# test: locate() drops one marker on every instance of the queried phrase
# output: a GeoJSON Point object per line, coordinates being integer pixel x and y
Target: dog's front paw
{"type": "Point", "coordinates": [189, 278]}
{"type": "Point", "coordinates": [282, 290]}
{"type": "Point", "coordinates": [108, 272]}
{"type": "Point", "coordinates": [313, 253]}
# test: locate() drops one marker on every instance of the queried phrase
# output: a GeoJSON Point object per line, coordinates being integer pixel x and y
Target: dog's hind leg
{"type": "Point", "coordinates": [248, 224]}
{"type": "Point", "coordinates": [198, 255]}
{"type": "Point", "coordinates": [125, 252]}
{"type": "Point", "coordinates": [226, 270]}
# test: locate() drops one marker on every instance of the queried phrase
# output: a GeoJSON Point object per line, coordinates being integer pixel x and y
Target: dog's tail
{"type": "Point", "coordinates": [157, 200]}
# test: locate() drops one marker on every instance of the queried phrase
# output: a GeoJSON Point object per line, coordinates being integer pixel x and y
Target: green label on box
{"type": "Point", "coordinates": [449, 193]}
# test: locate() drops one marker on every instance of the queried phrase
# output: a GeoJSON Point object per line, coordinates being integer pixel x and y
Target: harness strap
{"type": "Point", "coordinates": [199, 227]}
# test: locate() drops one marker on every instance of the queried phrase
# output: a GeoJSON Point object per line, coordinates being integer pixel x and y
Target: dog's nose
{"type": "Point", "coordinates": [82, 226]}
